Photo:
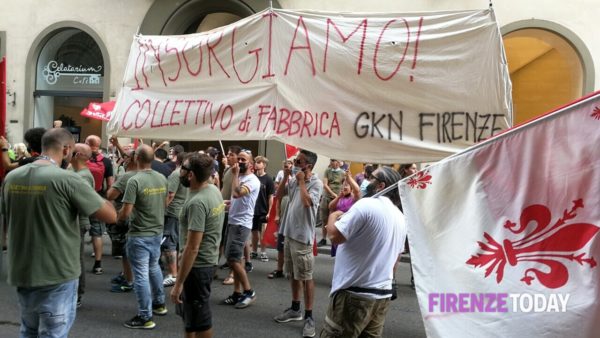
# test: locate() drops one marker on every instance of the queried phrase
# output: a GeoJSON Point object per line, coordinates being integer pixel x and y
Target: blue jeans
{"type": "Point", "coordinates": [47, 311]}
{"type": "Point", "coordinates": [143, 254]}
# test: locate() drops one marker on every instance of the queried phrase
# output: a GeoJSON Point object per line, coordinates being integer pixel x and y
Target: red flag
{"type": "Point", "coordinates": [515, 219]}
{"type": "Point", "coordinates": [290, 150]}
{"type": "Point", "coordinates": [99, 111]}
{"type": "Point", "coordinates": [270, 235]}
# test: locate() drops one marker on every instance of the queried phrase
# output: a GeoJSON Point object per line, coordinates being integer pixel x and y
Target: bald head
{"type": "Point", "coordinates": [144, 155]}
{"type": "Point", "coordinates": [83, 151]}
{"type": "Point", "coordinates": [54, 140]}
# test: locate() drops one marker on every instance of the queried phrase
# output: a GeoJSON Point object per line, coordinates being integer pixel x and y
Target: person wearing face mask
{"type": "Point", "coordinates": [201, 222]}
{"type": "Point", "coordinates": [244, 192]}
{"type": "Point", "coordinates": [370, 237]}
{"type": "Point", "coordinates": [304, 191]}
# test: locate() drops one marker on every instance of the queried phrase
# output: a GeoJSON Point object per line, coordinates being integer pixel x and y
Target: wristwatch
{"type": "Point", "coordinates": [4, 150]}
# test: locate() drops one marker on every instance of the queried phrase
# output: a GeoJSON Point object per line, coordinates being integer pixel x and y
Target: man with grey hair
{"type": "Point", "coordinates": [370, 237]}
{"type": "Point", "coordinates": [47, 285]}
{"type": "Point", "coordinates": [145, 197]}
{"type": "Point", "coordinates": [304, 191]}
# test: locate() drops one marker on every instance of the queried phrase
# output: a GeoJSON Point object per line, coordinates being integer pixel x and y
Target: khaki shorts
{"type": "Point", "coordinates": [299, 259]}
{"type": "Point", "coordinates": [350, 315]}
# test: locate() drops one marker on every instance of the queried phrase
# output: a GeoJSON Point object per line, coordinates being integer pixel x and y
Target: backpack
{"type": "Point", "coordinates": [97, 168]}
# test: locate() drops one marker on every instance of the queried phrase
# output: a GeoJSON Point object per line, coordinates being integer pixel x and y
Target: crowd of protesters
{"type": "Point", "coordinates": [172, 216]}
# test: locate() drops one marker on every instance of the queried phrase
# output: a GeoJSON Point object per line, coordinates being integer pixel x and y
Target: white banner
{"type": "Point", "coordinates": [504, 236]}
{"type": "Point", "coordinates": [366, 87]}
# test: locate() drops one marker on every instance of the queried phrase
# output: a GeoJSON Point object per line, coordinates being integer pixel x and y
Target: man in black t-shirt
{"type": "Point", "coordinates": [262, 207]}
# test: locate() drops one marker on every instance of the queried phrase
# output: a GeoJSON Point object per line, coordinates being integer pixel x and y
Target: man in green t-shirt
{"type": "Point", "coordinates": [332, 186]}
{"type": "Point", "coordinates": [177, 194]}
{"type": "Point", "coordinates": [145, 197]}
{"type": "Point", "coordinates": [123, 282]}
{"type": "Point", "coordinates": [82, 153]}
{"type": "Point", "coordinates": [201, 221]}
{"type": "Point", "coordinates": [46, 276]}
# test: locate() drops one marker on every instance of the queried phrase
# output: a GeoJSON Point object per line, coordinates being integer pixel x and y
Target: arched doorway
{"type": "Point", "coordinates": [167, 17]}
{"type": "Point", "coordinates": [546, 70]}
{"type": "Point", "coordinates": [69, 75]}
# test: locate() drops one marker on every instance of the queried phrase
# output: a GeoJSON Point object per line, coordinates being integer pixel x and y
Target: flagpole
{"type": "Point", "coordinates": [222, 148]}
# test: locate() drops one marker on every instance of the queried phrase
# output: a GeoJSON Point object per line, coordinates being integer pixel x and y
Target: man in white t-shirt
{"type": "Point", "coordinates": [244, 192]}
{"type": "Point", "coordinates": [370, 237]}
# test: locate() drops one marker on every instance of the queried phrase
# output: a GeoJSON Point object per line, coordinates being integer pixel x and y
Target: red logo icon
{"type": "Point", "coordinates": [596, 113]}
{"type": "Point", "coordinates": [549, 245]}
{"type": "Point", "coordinates": [420, 180]}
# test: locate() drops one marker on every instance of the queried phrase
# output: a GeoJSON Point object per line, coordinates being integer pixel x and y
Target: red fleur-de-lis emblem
{"type": "Point", "coordinates": [552, 246]}
{"type": "Point", "coordinates": [420, 180]}
{"type": "Point", "coordinates": [596, 113]}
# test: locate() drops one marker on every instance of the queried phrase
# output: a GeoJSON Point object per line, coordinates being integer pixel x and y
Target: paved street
{"type": "Point", "coordinates": [103, 312]}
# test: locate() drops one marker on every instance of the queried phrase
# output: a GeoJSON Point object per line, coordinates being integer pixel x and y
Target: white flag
{"type": "Point", "coordinates": [504, 236]}
{"type": "Point", "coordinates": [376, 87]}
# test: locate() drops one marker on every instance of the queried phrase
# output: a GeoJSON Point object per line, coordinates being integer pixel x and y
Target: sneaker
{"type": "Point", "coordinates": [275, 274]}
{"type": "Point", "coordinates": [78, 302]}
{"type": "Point", "coordinates": [322, 242]}
{"type": "Point", "coordinates": [253, 255]}
{"type": "Point", "coordinates": [246, 300]}
{"type": "Point", "coordinates": [264, 257]}
{"type": "Point", "coordinates": [97, 270]}
{"type": "Point", "coordinates": [248, 266]}
{"type": "Point", "coordinates": [309, 327]}
{"type": "Point", "coordinates": [122, 288]}
{"type": "Point", "coordinates": [159, 309]}
{"type": "Point", "coordinates": [169, 281]}
{"type": "Point", "coordinates": [138, 322]}
{"type": "Point", "coordinates": [288, 315]}
{"type": "Point", "coordinates": [232, 299]}
{"type": "Point", "coordinates": [118, 279]}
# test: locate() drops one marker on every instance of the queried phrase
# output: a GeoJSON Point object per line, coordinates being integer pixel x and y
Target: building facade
{"type": "Point", "coordinates": [61, 55]}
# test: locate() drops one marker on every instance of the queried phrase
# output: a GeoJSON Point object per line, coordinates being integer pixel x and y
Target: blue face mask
{"type": "Point", "coordinates": [295, 170]}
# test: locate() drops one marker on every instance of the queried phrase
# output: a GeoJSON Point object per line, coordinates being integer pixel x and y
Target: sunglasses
{"type": "Point", "coordinates": [186, 168]}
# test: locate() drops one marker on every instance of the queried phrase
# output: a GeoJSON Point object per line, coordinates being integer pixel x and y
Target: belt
{"type": "Point", "coordinates": [380, 292]}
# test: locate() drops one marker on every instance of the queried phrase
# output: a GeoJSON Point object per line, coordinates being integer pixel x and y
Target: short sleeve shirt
{"type": "Point", "coordinates": [120, 185]}
{"type": "Point", "coordinates": [375, 231]}
{"type": "Point", "coordinates": [181, 192]}
{"type": "Point", "coordinates": [147, 191]}
{"type": "Point", "coordinates": [267, 188]}
{"type": "Point", "coordinates": [203, 211]}
{"type": "Point", "coordinates": [226, 190]}
{"type": "Point", "coordinates": [299, 220]}
{"type": "Point", "coordinates": [335, 178]}
{"type": "Point", "coordinates": [85, 173]}
{"type": "Point", "coordinates": [48, 228]}
{"type": "Point", "coordinates": [241, 210]}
